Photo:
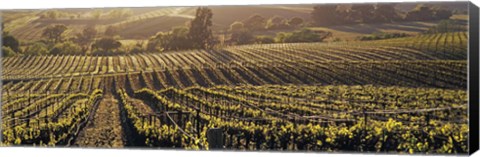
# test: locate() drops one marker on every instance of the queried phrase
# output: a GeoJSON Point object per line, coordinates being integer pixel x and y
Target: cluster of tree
{"type": "Point", "coordinates": [55, 42]}
{"type": "Point", "coordinates": [257, 22]}
{"type": "Point", "coordinates": [7, 52]}
{"type": "Point", "coordinates": [425, 13]}
{"type": "Point", "coordinates": [327, 15]}
{"type": "Point", "coordinates": [243, 36]}
{"type": "Point", "coordinates": [446, 26]}
{"type": "Point", "coordinates": [10, 45]}
{"type": "Point", "coordinates": [198, 35]}
{"type": "Point", "coordinates": [176, 39]}
{"type": "Point", "coordinates": [86, 37]}
{"type": "Point", "coordinates": [138, 47]}
{"type": "Point", "coordinates": [383, 35]}
{"type": "Point", "coordinates": [239, 34]}
{"type": "Point", "coordinates": [107, 46]}
{"type": "Point", "coordinates": [54, 33]}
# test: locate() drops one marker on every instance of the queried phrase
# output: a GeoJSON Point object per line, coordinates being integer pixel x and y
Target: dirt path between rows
{"type": "Point", "coordinates": [105, 129]}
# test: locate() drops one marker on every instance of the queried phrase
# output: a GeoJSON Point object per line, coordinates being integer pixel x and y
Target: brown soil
{"type": "Point", "coordinates": [105, 129]}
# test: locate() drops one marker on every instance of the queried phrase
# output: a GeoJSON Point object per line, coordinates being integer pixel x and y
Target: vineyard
{"type": "Point", "coordinates": [397, 95]}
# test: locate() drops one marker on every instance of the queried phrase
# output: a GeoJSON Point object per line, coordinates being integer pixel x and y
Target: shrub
{"type": "Point", "coordinates": [264, 40]}
{"type": "Point", "coordinates": [36, 48]}
{"type": "Point", "coordinates": [54, 33]}
{"type": "Point", "coordinates": [242, 37]}
{"type": "Point", "coordinates": [176, 39]}
{"type": "Point", "coordinates": [295, 21]}
{"type": "Point", "coordinates": [236, 26]}
{"type": "Point", "coordinates": [7, 52]}
{"type": "Point", "coordinates": [66, 48]}
{"type": "Point", "coordinates": [106, 45]}
{"type": "Point", "coordinates": [136, 49]}
{"type": "Point", "coordinates": [255, 22]}
{"type": "Point", "coordinates": [303, 35]}
{"type": "Point", "coordinates": [11, 42]}
{"type": "Point", "coordinates": [277, 22]}
{"type": "Point", "coordinates": [423, 13]}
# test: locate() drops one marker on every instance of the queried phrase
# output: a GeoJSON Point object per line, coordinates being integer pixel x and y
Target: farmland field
{"type": "Point", "coordinates": [269, 78]}
{"type": "Point", "coordinates": [369, 94]}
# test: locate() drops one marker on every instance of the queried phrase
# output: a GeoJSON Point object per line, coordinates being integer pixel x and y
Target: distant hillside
{"type": "Point", "coordinates": [461, 6]}
{"type": "Point", "coordinates": [147, 21]}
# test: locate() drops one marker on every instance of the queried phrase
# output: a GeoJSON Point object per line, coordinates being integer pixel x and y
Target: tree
{"type": "Point", "coordinates": [385, 13]}
{"type": "Point", "coordinates": [36, 48]}
{"type": "Point", "coordinates": [158, 42]}
{"type": "Point", "coordinates": [295, 21]}
{"type": "Point", "coordinates": [66, 48]}
{"type": "Point", "coordinates": [11, 42]}
{"type": "Point", "coordinates": [7, 52]}
{"type": "Point", "coordinates": [179, 39]}
{"type": "Point", "coordinates": [137, 48]}
{"type": "Point", "coordinates": [423, 13]}
{"type": "Point", "coordinates": [200, 32]}
{"type": "Point", "coordinates": [443, 14]}
{"type": "Point", "coordinates": [176, 39]}
{"type": "Point", "coordinates": [54, 32]}
{"type": "Point", "coordinates": [107, 44]}
{"type": "Point", "coordinates": [362, 12]}
{"type": "Point", "coordinates": [420, 13]}
{"type": "Point", "coordinates": [236, 26]}
{"type": "Point", "coordinates": [255, 22]}
{"type": "Point", "coordinates": [239, 34]}
{"type": "Point", "coordinates": [326, 15]}
{"type": "Point", "coordinates": [111, 31]}
{"type": "Point", "coordinates": [276, 22]}
{"type": "Point", "coordinates": [242, 37]}
{"type": "Point", "coordinates": [86, 37]}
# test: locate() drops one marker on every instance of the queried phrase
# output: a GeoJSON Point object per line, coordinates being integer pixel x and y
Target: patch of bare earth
{"type": "Point", "coordinates": [105, 129]}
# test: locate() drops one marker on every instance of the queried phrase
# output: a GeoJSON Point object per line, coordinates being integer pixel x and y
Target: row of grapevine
{"type": "Point", "coordinates": [50, 122]}
{"type": "Point", "coordinates": [26, 67]}
{"type": "Point", "coordinates": [248, 123]}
